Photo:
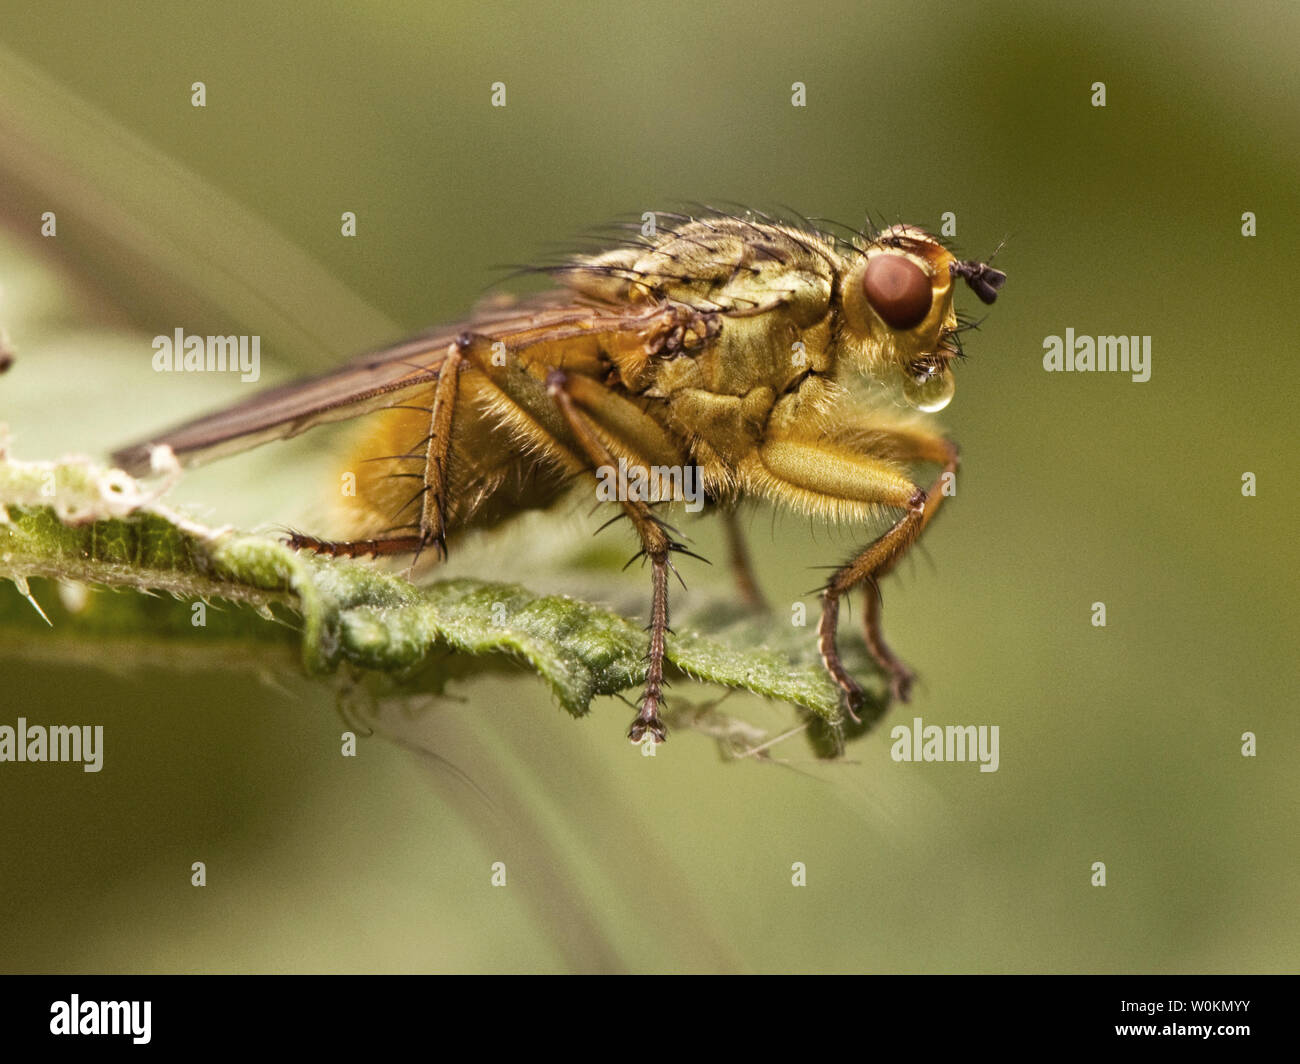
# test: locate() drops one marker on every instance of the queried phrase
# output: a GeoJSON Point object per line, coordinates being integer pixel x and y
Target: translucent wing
{"type": "Point", "coordinates": [380, 379]}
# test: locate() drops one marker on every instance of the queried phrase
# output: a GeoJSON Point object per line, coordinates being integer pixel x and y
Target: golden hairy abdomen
{"type": "Point", "coordinates": [493, 473]}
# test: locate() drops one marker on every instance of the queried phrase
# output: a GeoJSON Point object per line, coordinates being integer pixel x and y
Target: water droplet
{"type": "Point", "coordinates": [929, 391]}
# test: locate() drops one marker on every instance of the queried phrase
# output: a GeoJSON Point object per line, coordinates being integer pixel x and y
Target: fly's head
{"type": "Point", "coordinates": [900, 325]}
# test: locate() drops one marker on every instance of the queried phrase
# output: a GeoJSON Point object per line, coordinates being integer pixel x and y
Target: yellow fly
{"type": "Point", "coordinates": [750, 356]}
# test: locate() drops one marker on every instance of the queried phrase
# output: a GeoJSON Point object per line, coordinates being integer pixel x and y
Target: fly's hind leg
{"type": "Point", "coordinates": [432, 494]}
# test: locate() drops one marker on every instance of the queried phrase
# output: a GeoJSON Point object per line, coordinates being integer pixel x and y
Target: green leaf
{"type": "Point", "coordinates": [80, 524]}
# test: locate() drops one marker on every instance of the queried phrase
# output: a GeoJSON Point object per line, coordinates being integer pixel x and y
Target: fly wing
{"type": "Point", "coordinates": [380, 379]}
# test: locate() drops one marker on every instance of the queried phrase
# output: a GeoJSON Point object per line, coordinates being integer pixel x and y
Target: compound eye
{"type": "Point", "coordinates": [898, 290]}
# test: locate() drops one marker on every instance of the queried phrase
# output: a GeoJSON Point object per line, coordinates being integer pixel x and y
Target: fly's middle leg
{"type": "Point", "coordinates": [741, 565]}
{"type": "Point", "coordinates": [656, 543]}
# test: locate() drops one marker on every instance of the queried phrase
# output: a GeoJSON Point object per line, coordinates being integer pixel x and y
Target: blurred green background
{"type": "Point", "coordinates": [1119, 744]}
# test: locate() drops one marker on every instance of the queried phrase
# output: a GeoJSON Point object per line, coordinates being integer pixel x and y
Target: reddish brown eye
{"type": "Point", "coordinates": [898, 290]}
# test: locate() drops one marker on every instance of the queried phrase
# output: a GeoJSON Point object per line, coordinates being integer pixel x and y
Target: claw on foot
{"type": "Point", "coordinates": [852, 697]}
{"type": "Point", "coordinates": [648, 723]}
{"type": "Point", "coordinates": [855, 700]}
{"type": "Point", "coordinates": [900, 683]}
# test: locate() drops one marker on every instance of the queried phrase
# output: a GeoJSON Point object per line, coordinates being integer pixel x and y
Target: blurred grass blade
{"type": "Point", "coordinates": [156, 225]}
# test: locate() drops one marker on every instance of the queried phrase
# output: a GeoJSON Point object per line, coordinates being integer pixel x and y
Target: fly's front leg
{"type": "Point", "coordinates": [921, 447]}
{"type": "Point", "coordinates": [867, 568]}
{"type": "Point", "coordinates": [834, 479]}
{"type": "Point", "coordinates": [656, 544]}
